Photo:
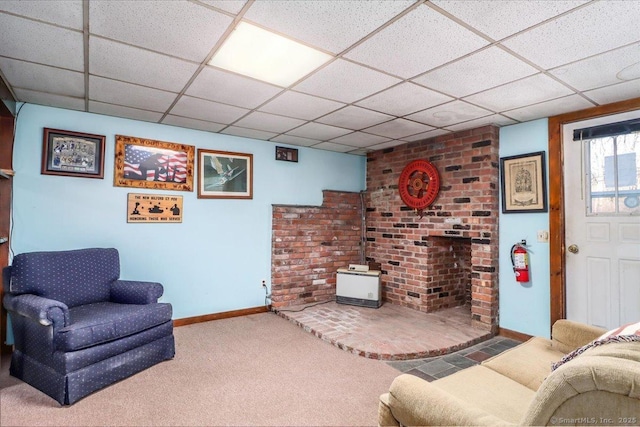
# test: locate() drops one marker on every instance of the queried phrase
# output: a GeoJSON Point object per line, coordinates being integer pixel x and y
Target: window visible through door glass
{"type": "Point", "coordinates": [613, 175]}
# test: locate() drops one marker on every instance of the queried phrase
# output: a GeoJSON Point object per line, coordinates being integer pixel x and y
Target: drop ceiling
{"type": "Point", "coordinates": [400, 70]}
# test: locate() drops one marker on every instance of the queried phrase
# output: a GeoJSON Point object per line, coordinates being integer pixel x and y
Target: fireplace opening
{"type": "Point", "coordinates": [446, 277]}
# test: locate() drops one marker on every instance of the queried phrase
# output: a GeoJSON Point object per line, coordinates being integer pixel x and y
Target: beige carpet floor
{"type": "Point", "coordinates": [258, 370]}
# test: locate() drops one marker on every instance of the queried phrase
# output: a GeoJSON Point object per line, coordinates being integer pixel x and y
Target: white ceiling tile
{"type": "Point", "coordinates": [602, 70]}
{"type": "Point", "coordinates": [129, 95]}
{"type": "Point", "coordinates": [494, 119]}
{"type": "Point", "coordinates": [398, 128]}
{"type": "Point", "coordinates": [67, 13]}
{"type": "Point", "coordinates": [221, 86]}
{"type": "Point", "coordinates": [331, 25]}
{"type": "Point", "coordinates": [501, 18]}
{"type": "Point", "coordinates": [248, 133]}
{"type": "Point", "coordinates": [142, 67]}
{"type": "Point", "coordinates": [389, 144]}
{"type": "Point", "coordinates": [268, 122]}
{"type": "Point", "coordinates": [529, 90]}
{"type": "Point", "coordinates": [300, 105]}
{"type": "Point", "coordinates": [360, 139]}
{"type": "Point", "coordinates": [345, 81]}
{"type": "Point", "coordinates": [403, 99]}
{"type": "Point", "coordinates": [407, 39]}
{"type": "Point", "coordinates": [231, 6]}
{"type": "Point", "coordinates": [354, 118]}
{"type": "Point", "coordinates": [426, 135]}
{"type": "Point", "coordinates": [126, 112]}
{"type": "Point", "coordinates": [360, 151]}
{"type": "Point", "coordinates": [318, 131]}
{"type": "Point", "coordinates": [42, 98]}
{"type": "Point", "coordinates": [28, 75]}
{"type": "Point", "coordinates": [195, 108]}
{"type": "Point", "coordinates": [41, 43]}
{"type": "Point", "coordinates": [193, 123]}
{"type": "Point", "coordinates": [593, 29]}
{"type": "Point", "coordinates": [330, 146]}
{"type": "Point", "coordinates": [549, 108]}
{"type": "Point", "coordinates": [483, 70]}
{"type": "Point", "coordinates": [180, 28]}
{"type": "Point", "coordinates": [619, 92]}
{"type": "Point", "coordinates": [449, 114]}
{"type": "Point", "coordinates": [295, 140]}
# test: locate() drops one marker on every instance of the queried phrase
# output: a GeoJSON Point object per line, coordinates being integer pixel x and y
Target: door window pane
{"type": "Point", "coordinates": [613, 165]}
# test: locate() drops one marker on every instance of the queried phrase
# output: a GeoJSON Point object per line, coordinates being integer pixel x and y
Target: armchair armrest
{"type": "Point", "coordinates": [134, 292]}
{"type": "Point", "coordinates": [42, 310]}
{"type": "Point", "coordinates": [567, 335]}
{"type": "Point", "coordinates": [414, 401]}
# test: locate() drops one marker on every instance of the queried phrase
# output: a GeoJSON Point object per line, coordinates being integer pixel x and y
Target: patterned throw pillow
{"type": "Point", "coordinates": [625, 333]}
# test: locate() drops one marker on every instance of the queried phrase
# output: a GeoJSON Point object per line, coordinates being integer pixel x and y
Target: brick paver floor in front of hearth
{"type": "Point", "coordinates": [389, 332]}
{"type": "Point", "coordinates": [432, 368]}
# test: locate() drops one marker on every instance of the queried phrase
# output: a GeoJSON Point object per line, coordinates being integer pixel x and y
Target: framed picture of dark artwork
{"type": "Point", "coordinates": [224, 175]}
{"type": "Point", "coordinates": [287, 154]}
{"type": "Point", "coordinates": [70, 153]}
{"type": "Point", "coordinates": [524, 187]}
{"type": "Point", "coordinates": [147, 163]}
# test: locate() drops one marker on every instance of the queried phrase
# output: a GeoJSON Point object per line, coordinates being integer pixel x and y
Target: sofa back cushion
{"type": "Point", "coordinates": [73, 277]}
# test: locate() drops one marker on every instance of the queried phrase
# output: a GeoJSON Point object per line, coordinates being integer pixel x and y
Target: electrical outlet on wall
{"type": "Point", "coordinates": [543, 236]}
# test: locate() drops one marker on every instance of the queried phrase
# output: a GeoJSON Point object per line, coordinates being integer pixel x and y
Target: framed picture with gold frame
{"type": "Point", "coordinates": [224, 175]}
{"type": "Point", "coordinates": [524, 187]}
{"type": "Point", "coordinates": [147, 163]}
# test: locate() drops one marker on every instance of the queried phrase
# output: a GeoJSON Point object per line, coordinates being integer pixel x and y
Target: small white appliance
{"type": "Point", "coordinates": [359, 287]}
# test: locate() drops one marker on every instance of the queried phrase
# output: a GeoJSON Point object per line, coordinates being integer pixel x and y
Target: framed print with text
{"type": "Point", "coordinates": [524, 187]}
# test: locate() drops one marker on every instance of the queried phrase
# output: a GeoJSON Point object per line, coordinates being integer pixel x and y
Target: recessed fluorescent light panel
{"type": "Point", "coordinates": [258, 53]}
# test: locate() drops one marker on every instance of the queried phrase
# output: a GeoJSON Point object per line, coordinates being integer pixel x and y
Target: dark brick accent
{"type": "Point", "coordinates": [484, 143]}
{"type": "Point", "coordinates": [470, 179]}
{"type": "Point", "coordinates": [481, 213]}
{"type": "Point", "coordinates": [461, 200]}
{"type": "Point", "coordinates": [453, 168]}
{"type": "Point", "coordinates": [413, 294]}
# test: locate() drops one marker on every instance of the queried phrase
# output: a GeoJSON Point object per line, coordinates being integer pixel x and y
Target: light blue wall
{"type": "Point", "coordinates": [215, 260]}
{"type": "Point", "coordinates": [525, 307]}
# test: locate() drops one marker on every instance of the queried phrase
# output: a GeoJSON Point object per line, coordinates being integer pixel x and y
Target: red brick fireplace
{"type": "Point", "coordinates": [447, 258]}
{"type": "Point", "coordinates": [450, 256]}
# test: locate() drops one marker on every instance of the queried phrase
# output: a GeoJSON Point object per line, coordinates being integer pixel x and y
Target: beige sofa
{"type": "Point", "coordinates": [599, 386]}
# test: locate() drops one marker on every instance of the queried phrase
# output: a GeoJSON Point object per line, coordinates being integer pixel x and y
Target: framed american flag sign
{"type": "Point", "coordinates": [147, 163]}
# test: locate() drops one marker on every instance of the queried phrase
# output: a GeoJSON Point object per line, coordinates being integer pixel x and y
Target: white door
{"type": "Point", "coordinates": [602, 220]}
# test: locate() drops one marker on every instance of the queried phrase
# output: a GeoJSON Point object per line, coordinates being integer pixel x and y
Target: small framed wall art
{"type": "Point", "coordinates": [146, 163]}
{"type": "Point", "coordinates": [524, 187]}
{"type": "Point", "coordinates": [224, 175]}
{"type": "Point", "coordinates": [70, 153]}
{"type": "Point", "coordinates": [287, 154]}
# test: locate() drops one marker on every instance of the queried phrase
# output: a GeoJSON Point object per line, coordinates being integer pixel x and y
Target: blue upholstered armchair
{"type": "Point", "coordinates": [77, 327]}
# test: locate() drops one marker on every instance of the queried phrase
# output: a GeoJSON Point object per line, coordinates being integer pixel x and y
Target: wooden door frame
{"type": "Point", "coordinates": [6, 155]}
{"type": "Point", "coordinates": [556, 197]}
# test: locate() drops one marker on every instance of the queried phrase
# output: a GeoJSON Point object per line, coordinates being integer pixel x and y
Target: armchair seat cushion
{"type": "Point", "coordinates": [102, 322]}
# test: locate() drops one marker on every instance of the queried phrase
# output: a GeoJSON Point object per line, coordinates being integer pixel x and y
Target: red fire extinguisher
{"type": "Point", "coordinates": [520, 261]}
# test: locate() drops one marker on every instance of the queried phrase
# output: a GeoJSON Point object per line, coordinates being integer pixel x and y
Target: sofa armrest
{"type": "Point", "coordinates": [45, 311]}
{"type": "Point", "coordinates": [414, 401]}
{"type": "Point", "coordinates": [567, 335]}
{"type": "Point", "coordinates": [134, 292]}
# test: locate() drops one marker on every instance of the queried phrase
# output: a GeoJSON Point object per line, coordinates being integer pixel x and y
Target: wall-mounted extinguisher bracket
{"type": "Point", "coordinates": [520, 261]}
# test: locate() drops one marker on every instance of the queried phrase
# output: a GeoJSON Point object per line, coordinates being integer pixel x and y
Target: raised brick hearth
{"type": "Point", "coordinates": [450, 256]}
